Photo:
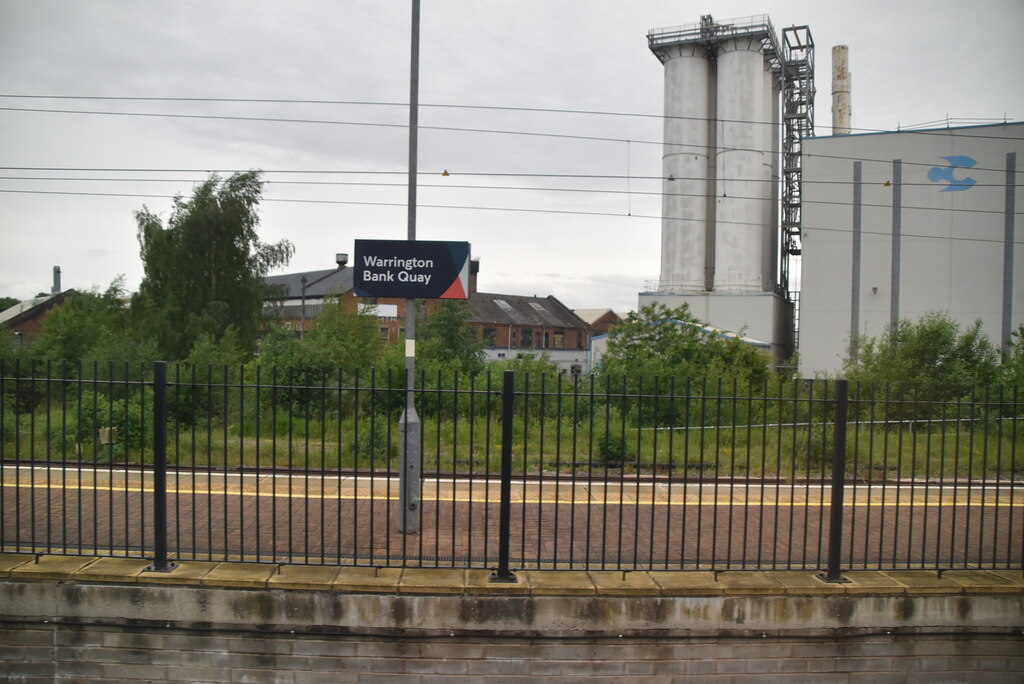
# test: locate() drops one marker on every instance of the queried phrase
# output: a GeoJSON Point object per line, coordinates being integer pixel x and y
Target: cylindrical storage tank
{"type": "Point", "coordinates": [685, 170]}
{"type": "Point", "coordinates": [743, 169]}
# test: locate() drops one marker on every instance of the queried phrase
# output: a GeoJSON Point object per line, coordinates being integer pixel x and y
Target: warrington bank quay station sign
{"type": "Point", "coordinates": [411, 269]}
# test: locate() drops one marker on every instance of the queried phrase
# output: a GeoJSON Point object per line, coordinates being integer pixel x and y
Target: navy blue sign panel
{"type": "Point", "coordinates": [412, 269]}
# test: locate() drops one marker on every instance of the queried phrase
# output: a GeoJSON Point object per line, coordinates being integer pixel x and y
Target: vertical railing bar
{"type": "Point", "coordinates": [956, 483]}
{"type": "Point", "coordinates": [856, 469]}
{"type": "Point", "coordinates": [925, 485]}
{"type": "Point", "coordinates": [872, 407]}
{"type": "Point", "coordinates": [732, 476]}
{"type": "Point", "coordinates": [811, 405]}
{"type": "Point", "coordinates": [64, 384]}
{"type": "Point", "coordinates": [110, 459]}
{"type": "Point", "coordinates": [764, 458]}
{"type": "Point", "coordinates": [1015, 411]}
{"type": "Point", "coordinates": [142, 453]}
{"type": "Point", "coordinates": [503, 574]}
{"type": "Point", "coordinates": [972, 428]}
{"type": "Point", "coordinates": [899, 489]}
{"type": "Point", "coordinates": [780, 410]}
{"type": "Point", "coordinates": [455, 453]}
{"type": "Point", "coordinates": [273, 463]}
{"type": "Point", "coordinates": [686, 479]}
{"type": "Point", "coordinates": [489, 414]}
{"type": "Point", "coordinates": [257, 411]}
{"type": "Point", "coordinates": [307, 399]}
{"type": "Point", "coordinates": [671, 471]}
{"type": "Point", "coordinates": [525, 458]}
{"type": "Point", "coordinates": [639, 453]}
{"type": "Point", "coordinates": [78, 449]}
{"type": "Point", "coordinates": [654, 473]}
{"type": "Point", "coordinates": [160, 560]}
{"type": "Point", "coordinates": [1000, 406]}
{"type": "Point", "coordinates": [209, 463]}
{"type": "Point", "coordinates": [227, 466]}
{"type": "Point", "coordinates": [357, 421]}
{"type": "Point", "coordinates": [821, 477]}
{"type": "Point", "coordinates": [47, 384]}
{"type": "Point", "coordinates": [700, 473]}
{"type": "Point", "coordinates": [438, 413]}
{"type": "Point", "coordinates": [793, 462]}
{"type": "Point", "coordinates": [940, 508]}
{"type": "Point", "coordinates": [622, 470]}
{"type": "Point", "coordinates": [885, 474]}
{"type": "Point", "coordinates": [746, 489]}
{"type": "Point", "coordinates": [372, 476]}
{"type": "Point", "coordinates": [984, 471]}
{"type": "Point", "coordinates": [341, 479]}
{"type": "Point", "coordinates": [323, 466]}
{"type": "Point", "coordinates": [17, 458]}
{"type": "Point", "coordinates": [718, 476]}
{"type": "Point", "coordinates": [241, 455]}
{"type": "Point", "coordinates": [472, 471]}
{"type": "Point", "coordinates": [540, 469]}
{"type": "Point", "coordinates": [913, 485]}
{"type": "Point", "coordinates": [420, 455]}
{"type": "Point", "coordinates": [558, 463]}
{"type": "Point", "coordinates": [835, 539]}
{"type": "Point", "coordinates": [293, 389]}
{"type": "Point", "coordinates": [590, 475]}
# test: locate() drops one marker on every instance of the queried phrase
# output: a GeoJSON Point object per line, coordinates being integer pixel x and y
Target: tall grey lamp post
{"type": "Point", "coordinates": [410, 429]}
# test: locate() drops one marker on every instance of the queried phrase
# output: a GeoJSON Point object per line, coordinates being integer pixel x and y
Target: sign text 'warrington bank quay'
{"type": "Point", "coordinates": [412, 269]}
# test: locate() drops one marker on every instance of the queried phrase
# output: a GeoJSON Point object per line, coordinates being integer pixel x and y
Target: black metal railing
{"type": "Point", "coordinates": [519, 471]}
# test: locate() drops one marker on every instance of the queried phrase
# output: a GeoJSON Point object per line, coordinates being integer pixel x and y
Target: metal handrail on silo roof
{"type": "Point", "coordinates": [712, 32]}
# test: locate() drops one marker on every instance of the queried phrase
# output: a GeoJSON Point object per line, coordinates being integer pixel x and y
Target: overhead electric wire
{"type": "Point", "coordinates": [495, 174]}
{"type": "Point", "coordinates": [513, 188]}
{"type": "Point", "coordinates": [532, 210]}
{"type": "Point", "coordinates": [511, 108]}
{"type": "Point", "coordinates": [488, 131]}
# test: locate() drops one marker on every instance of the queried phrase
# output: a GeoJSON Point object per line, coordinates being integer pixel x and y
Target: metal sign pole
{"type": "Point", "coordinates": [409, 431]}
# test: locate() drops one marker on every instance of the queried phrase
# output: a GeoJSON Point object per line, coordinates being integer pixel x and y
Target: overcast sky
{"type": "Point", "coordinates": [571, 210]}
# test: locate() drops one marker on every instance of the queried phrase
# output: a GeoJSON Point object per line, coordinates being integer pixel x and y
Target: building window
{"type": "Point", "coordinates": [527, 338]}
{"type": "Point", "coordinates": [384, 333]}
{"type": "Point", "coordinates": [559, 339]}
{"type": "Point", "coordinates": [489, 336]}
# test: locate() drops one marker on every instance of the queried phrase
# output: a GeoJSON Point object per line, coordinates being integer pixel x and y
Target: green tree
{"type": "Point", "coordinates": [444, 339]}
{"type": "Point", "coordinates": [204, 271]}
{"type": "Point", "coordinates": [1012, 370]}
{"type": "Point", "coordinates": [928, 360]}
{"type": "Point", "coordinates": [7, 302]}
{"type": "Point", "coordinates": [657, 341]}
{"type": "Point", "coordinates": [80, 328]}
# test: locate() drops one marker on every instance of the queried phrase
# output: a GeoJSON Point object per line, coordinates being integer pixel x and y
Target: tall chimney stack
{"type": "Point", "coordinates": [840, 90]}
{"type": "Point", "coordinates": [56, 281]}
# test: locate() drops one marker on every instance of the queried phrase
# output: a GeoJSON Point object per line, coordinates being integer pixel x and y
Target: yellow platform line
{"type": "Point", "coordinates": [685, 500]}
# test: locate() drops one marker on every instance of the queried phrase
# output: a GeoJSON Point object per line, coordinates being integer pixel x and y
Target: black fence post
{"type": "Point", "coordinates": [835, 535]}
{"type": "Point", "coordinates": [503, 574]}
{"type": "Point", "coordinates": [160, 562]}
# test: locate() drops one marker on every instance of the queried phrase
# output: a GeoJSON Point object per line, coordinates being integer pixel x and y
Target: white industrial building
{"type": "Point", "coordinates": [738, 101]}
{"type": "Point", "coordinates": [900, 224]}
{"type": "Point", "coordinates": [806, 243]}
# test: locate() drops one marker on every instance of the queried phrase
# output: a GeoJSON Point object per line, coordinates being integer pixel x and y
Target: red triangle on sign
{"type": "Point", "coordinates": [456, 291]}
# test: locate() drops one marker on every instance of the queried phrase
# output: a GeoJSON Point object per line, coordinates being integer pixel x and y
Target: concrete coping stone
{"type": "Point", "coordinates": [448, 581]}
{"type": "Point", "coordinates": [304, 577]}
{"type": "Point", "coordinates": [247, 575]}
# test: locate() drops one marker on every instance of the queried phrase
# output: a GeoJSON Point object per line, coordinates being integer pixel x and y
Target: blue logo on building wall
{"type": "Point", "coordinates": [938, 174]}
